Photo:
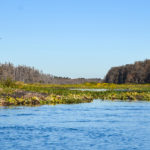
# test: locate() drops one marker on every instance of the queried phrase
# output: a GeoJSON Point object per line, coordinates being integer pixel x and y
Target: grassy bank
{"type": "Point", "coordinates": [18, 93]}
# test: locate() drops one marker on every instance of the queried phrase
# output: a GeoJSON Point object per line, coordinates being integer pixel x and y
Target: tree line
{"type": "Point", "coordinates": [31, 75]}
{"type": "Point", "coordinates": [139, 72]}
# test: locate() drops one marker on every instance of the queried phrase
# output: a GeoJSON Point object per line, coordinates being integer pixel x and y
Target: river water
{"type": "Point", "coordinates": [100, 125]}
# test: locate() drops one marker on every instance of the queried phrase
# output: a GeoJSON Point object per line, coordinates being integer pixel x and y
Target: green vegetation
{"type": "Point", "coordinates": [19, 93]}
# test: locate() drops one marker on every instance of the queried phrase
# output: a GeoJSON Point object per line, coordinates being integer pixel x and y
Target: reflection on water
{"type": "Point", "coordinates": [101, 125]}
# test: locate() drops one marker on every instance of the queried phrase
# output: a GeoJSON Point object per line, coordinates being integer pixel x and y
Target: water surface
{"type": "Point", "coordinates": [94, 90]}
{"type": "Point", "coordinates": [101, 125]}
{"type": "Point", "coordinates": [100, 90]}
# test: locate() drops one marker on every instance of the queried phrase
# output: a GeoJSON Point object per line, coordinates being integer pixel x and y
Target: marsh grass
{"type": "Point", "coordinates": [40, 94]}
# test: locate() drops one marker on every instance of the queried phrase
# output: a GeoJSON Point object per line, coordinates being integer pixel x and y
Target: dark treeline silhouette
{"type": "Point", "coordinates": [139, 72]}
{"type": "Point", "coordinates": [32, 75]}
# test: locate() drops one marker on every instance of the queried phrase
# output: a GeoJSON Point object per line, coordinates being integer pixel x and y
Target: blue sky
{"type": "Point", "coordinates": [74, 38]}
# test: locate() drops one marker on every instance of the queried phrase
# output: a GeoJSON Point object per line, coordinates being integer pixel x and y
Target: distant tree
{"type": "Point", "coordinates": [139, 72]}
{"type": "Point", "coordinates": [32, 75]}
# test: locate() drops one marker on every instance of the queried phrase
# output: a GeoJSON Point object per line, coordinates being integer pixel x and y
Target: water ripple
{"type": "Point", "coordinates": [101, 125]}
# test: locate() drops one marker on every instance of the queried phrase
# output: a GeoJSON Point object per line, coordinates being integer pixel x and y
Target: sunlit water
{"type": "Point", "coordinates": [101, 125]}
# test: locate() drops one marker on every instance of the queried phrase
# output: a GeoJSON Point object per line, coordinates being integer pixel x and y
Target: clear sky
{"type": "Point", "coordinates": [74, 38]}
